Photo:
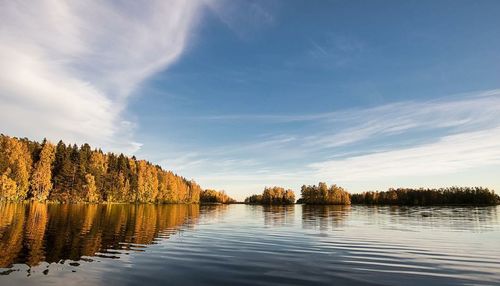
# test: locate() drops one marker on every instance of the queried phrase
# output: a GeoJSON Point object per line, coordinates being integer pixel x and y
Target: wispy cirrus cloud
{"type": "Point", "coordinates": [68, 67]}
{"type": "Point", "coordinates": [244, 18]}
{"type": "Point", "coordinates": [442, 116]}
{"type": "Point", "coordinates": [454, 114]}
{"type": "Point", "coordinates": [448, 154]}
{"type": "Point", "coordinates": [447, 104]}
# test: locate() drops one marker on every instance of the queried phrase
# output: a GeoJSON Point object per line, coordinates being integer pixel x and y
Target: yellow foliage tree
{"type": "Point", "coordinates": [8, 187]}
{"type": "Point", "coordinates": [91, 189]}
{"type": "Point", "coordinates": [15, 156]}
{"type": "Point", "coordinates": [41, 180]}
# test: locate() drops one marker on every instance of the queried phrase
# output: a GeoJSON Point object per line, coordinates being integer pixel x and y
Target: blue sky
{"type": "Point", "coordinates": [245, 94]}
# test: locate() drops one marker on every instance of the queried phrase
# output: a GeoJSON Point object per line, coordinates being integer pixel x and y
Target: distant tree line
{"type": "Point", "coordinates": [443, 196]}
{"type": "Point", "coordinates": [213, 196]}
{"type": "Point", "coordinates": [324, 195]}
{"type": "Point", "coordinates": [68, 173]}
{"type": "Point", "coordinates": [272, 196]}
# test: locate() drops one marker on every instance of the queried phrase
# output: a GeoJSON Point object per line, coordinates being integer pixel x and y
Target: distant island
{"type": "Point", "coordinates": [324, 195]}
{"type": "Point", "coordinates": [36, 171]}
{"type": "Point", "coordinates": [273, 196]}
{"type": "Point", "coordinates": [424, 197]}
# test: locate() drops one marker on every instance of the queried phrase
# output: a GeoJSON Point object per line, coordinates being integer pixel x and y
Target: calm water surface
{"type": "Point", "coordinates": [238, 244]}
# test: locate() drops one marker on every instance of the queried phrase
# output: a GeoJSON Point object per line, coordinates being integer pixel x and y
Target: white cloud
{"type": "Point", "coordinates": [69, 66]}
{"type": "Point", "coordinates": [448, 155]}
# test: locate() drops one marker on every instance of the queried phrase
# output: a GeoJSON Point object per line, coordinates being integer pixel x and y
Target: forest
{"type": "Point", "coordinates": [215, 197]}
{"type": "Point", "coordinates": [71, 173]}
{"type": "Point", "coordinates": [272, 196]}
{"type": "Point", "coordinates": [421, 197]}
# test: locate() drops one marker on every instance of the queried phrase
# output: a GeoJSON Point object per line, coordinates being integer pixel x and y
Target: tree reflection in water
{"type": "Point", "coordinates": [278, 215]}
{"type": "Point", "coordinates": [324, 217]}
{"type": "Point", "coordinates": [31, 233]}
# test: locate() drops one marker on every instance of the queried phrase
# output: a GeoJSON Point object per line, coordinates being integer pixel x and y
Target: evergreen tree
{"type": "Point", "coordinates": [63, 173]}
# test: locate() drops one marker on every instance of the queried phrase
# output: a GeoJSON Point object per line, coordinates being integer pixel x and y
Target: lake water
{"type": "Point", "coordinates": [254, 245]}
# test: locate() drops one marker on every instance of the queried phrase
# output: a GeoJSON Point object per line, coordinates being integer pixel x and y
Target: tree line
{"type": "Point", "coordinates": [272, 196]}
{"type": "Point", "coordinates": [71, 173]}
{"type": "Point", "coordinates": [443, 196]}
{"type": "Point", "coordinates": [213, 196]}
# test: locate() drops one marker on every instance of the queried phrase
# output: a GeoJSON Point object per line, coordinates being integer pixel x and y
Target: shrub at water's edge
{"type": "Point", "coordinates": [273, 196]}
{"type": "Point", "coordinates": [215, 197]}
{"type": "Point", "coordinates": [68, 173]}
{"type": "Point", "coordinates": [421, 197]}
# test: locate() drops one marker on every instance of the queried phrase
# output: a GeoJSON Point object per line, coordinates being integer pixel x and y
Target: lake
{"type": "Point", "coordinates": [119, 244]}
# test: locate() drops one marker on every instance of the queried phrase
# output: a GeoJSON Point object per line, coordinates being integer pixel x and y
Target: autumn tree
{"type": "Point", "coordinates": [41, 179]}
{"type": "Point", "coordinates": [15, 164]}
{"type": "Point", "coordinates": [98, 166]}
{"type": "Point", "coordinates": [91, 194]}
{"type": "Point", "coordinates": [8, 187]}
